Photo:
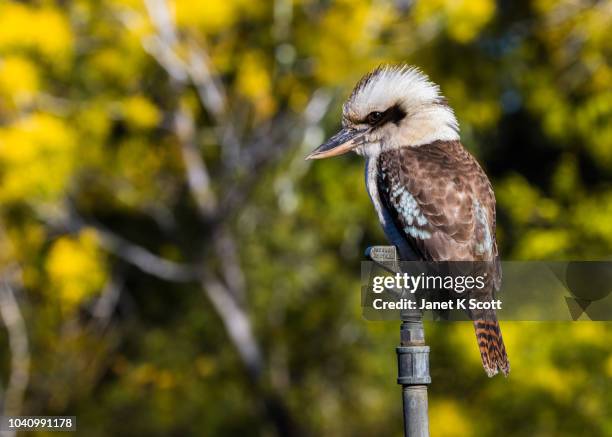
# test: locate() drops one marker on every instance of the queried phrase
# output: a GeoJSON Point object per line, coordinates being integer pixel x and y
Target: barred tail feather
{"type": "Point", "coordinates": [491, 345]}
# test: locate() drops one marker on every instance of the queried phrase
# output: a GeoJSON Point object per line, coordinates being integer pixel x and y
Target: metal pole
{"type": "Point", "coordinates": [412, 354]}
{"type": "Point", "coordinates": [413, 374]}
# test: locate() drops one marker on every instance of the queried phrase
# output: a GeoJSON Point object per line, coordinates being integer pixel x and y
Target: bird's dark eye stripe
{"type": "Point", "coordinates": [394, 114]}
{"type": "Point", "coordinates": [374, 117]}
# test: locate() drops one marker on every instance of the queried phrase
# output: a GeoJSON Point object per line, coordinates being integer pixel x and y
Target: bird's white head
{"type": "Point", "coordinates": [391, 107]}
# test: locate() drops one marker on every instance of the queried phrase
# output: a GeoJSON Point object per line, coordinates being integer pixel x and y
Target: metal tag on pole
{"type": "Point", "coordinates": [412, 353]}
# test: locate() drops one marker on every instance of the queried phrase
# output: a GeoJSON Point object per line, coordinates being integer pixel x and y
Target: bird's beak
{"type": "Point", "coordinates": [342, 142]}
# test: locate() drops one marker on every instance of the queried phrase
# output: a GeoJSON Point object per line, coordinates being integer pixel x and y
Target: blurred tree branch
{"type": "Point", "coordinates": [124, 249]}
{"type": "Point", "coordinates": [103, 308]}
{"type": "Point", "coordinates": [19, 346]}
{"type": "Point", "coordinates": [227, 296]}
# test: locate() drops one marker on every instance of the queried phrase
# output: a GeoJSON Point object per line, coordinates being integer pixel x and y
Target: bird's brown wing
{"type": "Point", "coordinates": [441, 199]}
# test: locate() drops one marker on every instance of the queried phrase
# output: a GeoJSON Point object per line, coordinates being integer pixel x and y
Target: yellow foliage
{"type": "Point", "coordinates": [205, 366]}
{"type": "Point", "coordinates": [543, 244]}
{"type": "Point", "coordinates": [132, 4]}
{"type": "Point", "coordinates": [94, 121]}
{"type": "Point", "coordinates": [592, 120]}
{"type": "Point", "coordinates": [447, 420]}
{"type": "Point", "coordinates": [37, 158]}
{"type": "Point", "coordinates": [43, 29]}
{"type": "Point", "coordinates": [536, 366]}
{"type": "Point", "coordinates": [463, 335]}
{"type": "Point", "coordinates": [148, 374]}
{"type": "Point", "coordinates": [76, 268]}
{"type": "Point", "coordinates": [254, 82]}
{"type": "Point", "coordinates": [549, 102]}
{"type": "Point", "coordinates": [590, 334]}
{"type": "Point", "coordinates": [348, 33]}
{"type": "Point", "coordinates": [592, 217]}
{"type": "Point", "coordinates": [140, 112]}
{"type": "Point", "coordinates": [215, 16]}
{"type": "Point", "coordinates": [140, 187]}
{"type": "Point", "coordinates": [23, 245]}
{"type": "Point", "coordinates": [298, 99]}
{"type": "Point", "coordinates": [18, 80]}
{"type": "Point", "coordinates": [464, 19]}
{"type": "Point", "coordinates": [472, 110]}
{"type": "Point", "coordinates": [602, 76]}
{"type": "Point", "coordinates": [109, 62]}
{"type": "Point", "coordinates": [609, 366]}
{"type": "Point", "coordinates": [212, 15]}
{"type": "Point", "coordinates": [566, 177]}
{"type": "Point", "coordinates": [533, 363]}
{"type": "Point", "coordinates": [544, 6]}
{"type": "Point", "coordinates": [517, 197]}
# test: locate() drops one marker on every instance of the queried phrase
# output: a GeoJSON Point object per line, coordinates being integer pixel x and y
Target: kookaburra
{"type": "Point", "coordinates": [433, 199]}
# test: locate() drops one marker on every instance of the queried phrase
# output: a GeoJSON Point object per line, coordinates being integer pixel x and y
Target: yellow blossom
{"type": "Point", "coordinates": [19, 80]}
{"type": "Point", "coordinates": [140, 112]}
{"type": "Point", "coordinates": [75, 267]}
{"type": "Point", "coordinates": [37, 158]}
{"type": "Point", "coordinates": [43, 29]}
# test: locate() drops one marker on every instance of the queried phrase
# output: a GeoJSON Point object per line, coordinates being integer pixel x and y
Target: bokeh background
{"type": "Point", "coordinates": [171, 266]}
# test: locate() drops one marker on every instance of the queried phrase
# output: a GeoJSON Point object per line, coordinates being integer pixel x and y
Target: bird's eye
{"type": "Point", "coordinates": [374, 117]}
